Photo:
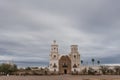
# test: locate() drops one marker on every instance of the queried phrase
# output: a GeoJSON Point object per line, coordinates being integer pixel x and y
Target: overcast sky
{"type": "Point", "coordinates": [28, 27]}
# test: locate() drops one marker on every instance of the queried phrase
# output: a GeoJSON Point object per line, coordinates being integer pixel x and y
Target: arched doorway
{"type": "Point", "coordinates": [64, 65]}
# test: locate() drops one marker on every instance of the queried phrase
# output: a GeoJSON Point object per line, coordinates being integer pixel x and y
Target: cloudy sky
{"type": "Point", "coordinates": [28, 27]}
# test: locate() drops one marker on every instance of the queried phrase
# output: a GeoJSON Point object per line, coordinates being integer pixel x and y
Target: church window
{"type": "Point", "coordinates": [54, 65]}
{"type": "Point", "coordinates": [64, 65]}
{"type": "Point", "coordinates": [74, 66]}
{"type": "Point", "coordinates": [54, 56]}
{"type": "Point", "coordinates": [74, 70]}
{"type": "Point", "coordinates": [74, 56]}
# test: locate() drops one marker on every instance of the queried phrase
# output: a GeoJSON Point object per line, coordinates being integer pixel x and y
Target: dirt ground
{"type": "Point", "coordinates": [62, 77]}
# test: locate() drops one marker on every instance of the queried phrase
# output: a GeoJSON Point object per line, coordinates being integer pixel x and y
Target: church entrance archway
{"type": "Point", "coordinates": [65, 65]}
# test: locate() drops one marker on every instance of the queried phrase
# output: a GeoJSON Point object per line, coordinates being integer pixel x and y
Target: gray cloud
{"type": "Point", "coordinates": [28, 27]}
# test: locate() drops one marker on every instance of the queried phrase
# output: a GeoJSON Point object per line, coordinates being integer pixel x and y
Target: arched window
{"type": "Point", "coordinates": [74, 66]}
{"type": "Point", "coordinates": [54, 65]}
{"type": "Point", "coordinates": [64, 65]}
{"type": "Point", "coordinates": [54, 56]}
{"type": "Point", "coordinates": [74, 70]}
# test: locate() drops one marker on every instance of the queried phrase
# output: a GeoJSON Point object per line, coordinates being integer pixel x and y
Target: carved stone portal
{"type": "Point", "coordinates": [65, 65]}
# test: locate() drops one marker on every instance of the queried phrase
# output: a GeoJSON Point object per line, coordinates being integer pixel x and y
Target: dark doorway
{"type": "Point", "coordinates": [65, 71]}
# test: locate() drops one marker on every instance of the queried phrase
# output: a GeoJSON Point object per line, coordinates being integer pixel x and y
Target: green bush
{"type": "Point", "coordinates": [8, 68]}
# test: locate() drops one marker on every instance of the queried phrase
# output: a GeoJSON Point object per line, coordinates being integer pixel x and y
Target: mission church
{"type": "Point", "coordinates": [64, 64]}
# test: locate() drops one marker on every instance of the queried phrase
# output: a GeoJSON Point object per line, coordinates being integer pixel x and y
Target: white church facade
{"type": "Point", "coordinates": [64, 64]}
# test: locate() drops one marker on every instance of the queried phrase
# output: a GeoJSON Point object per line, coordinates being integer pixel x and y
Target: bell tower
{"type": "Point", "coordinates": [75, 58]}
{"type": "Point", "coordinates": [54, 56]}
{"type": "Point", "coordinates": [54, 47]}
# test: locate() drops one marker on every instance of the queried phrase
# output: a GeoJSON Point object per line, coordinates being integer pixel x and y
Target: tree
{"type": "Point", "coordinates": [27, 68]}
{"type": "Point", "coordinates": [91, 71]}
{"type": "Point", "coordinates": [117, 70]}
{"type": "Point", "coordinates": [98, 62]}
{"type": "Point", "coordinates": [93, 60]}
{"type": "Point", "coordinates": [104, 69]}
{"type": "Point", "coordinates": [8, 68]}
{"type": "Point", "coordinates": [84, 71]}
{"type": "Point", "coordinates": [46, 70]}
{"type": "Point", "coordinates": [81, 61]}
